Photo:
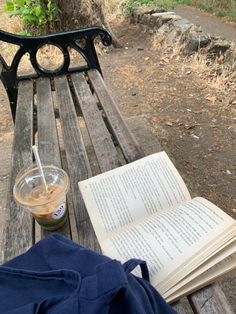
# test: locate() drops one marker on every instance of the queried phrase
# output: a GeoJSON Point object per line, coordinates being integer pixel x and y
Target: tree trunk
{"type": "Point", "coordinates": [81, 13]}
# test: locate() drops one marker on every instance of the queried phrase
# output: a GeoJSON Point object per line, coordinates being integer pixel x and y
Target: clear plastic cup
{"type": "Point", "coordinates": [48, 208]}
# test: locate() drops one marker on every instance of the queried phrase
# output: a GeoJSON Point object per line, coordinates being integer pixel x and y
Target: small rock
{"type": "Point", "coordinates": [147, 58]}
{"type": "Point", "coordinates": [230, 57]}
{"type": "Point", "coordinates": [140, 49]}
{"type": "Point", "coordinates": [189, 126]}
{"type": "Point", "coordinates": [228, 172]}
{"type": "Point", "coordinates": [232, 127]}
{"type": "Point", "coordinates": [195, 136]}
{"type": "Point", "coordinates": [169, 123]}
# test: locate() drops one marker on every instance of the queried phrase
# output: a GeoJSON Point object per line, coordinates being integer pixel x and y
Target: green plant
{"type": "Point", "coordinates": [206, 6]}
{"type": "Point", "coordinates": [220, 13]}
{"type": "Point", "coordinates": [171, 4]}
{"type": "Point", "coordinates": [130, 5]}
{"type": "Point", "coordinates": [35, 14]}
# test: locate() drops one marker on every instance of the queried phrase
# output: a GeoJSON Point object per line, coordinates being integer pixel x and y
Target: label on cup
{"type": "Point", "coordinates": [59, 212]}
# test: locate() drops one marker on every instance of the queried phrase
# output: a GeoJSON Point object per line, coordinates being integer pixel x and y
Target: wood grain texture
{"type": "Point", "coordinates": [125, 138]}
{"type": "Point", "coordinates": [104, 148]}
{"type": "Point", "coordinates": [17, 233]}
{"type": "Point", "coordinates": [210, 299]}
{"type": "Point", "coordinates": [78, 164]}
{"type": "Point", "coordinates": [47, 136]}
{"type": "Point", "coordinates": [181, 309]}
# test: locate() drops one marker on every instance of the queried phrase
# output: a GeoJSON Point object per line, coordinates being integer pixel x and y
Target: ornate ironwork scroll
{"type": "Point", "coordinates": [63, 41]}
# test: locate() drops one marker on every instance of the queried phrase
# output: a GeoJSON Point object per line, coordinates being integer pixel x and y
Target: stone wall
{"type": "Point", "coordinates": [174, 28]}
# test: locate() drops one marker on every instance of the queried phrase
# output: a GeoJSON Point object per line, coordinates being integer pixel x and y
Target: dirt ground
{"type": "Point", "coordinates": [195, 124]}
{"type": "Point", "coordinates": [193, 119]}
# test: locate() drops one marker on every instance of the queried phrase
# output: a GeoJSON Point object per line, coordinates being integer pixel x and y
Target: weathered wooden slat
{"type": "Point", "coordinates": [17, 233]}
{"type": "Point", "coordinates": [210, 299]}
{"type": "Point", "coordinates": [78, 164]}
{"type": "Point", "coordinates": [125, 138]}
{"type": "Point", "coordinates": [104, 148]}
{"type": "Point", "coordinates": [181, 309]}
{"type": "Point", "coordinates": [71, 211]}
{"type": "Point", "coordinates": [47, 136]}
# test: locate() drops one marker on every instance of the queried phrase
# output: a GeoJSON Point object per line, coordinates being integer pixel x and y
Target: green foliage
{"type": "Point", "coordinates": [35, 15]}
{"type": "Point", "coordinates": [130, 5]}
{"type": "Point", "coordinates": [219, 7]}
{"type": "Point", "coordinates": [220, 13]}
{"type": "Point", "coordinates": [171, 4]}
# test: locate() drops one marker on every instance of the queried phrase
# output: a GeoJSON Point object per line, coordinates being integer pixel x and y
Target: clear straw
{"type": "Point", "coordinates": [38, 162]}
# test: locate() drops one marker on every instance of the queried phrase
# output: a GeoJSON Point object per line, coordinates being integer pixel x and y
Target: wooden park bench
{"type": "Point", "coordinates": [60, 110]}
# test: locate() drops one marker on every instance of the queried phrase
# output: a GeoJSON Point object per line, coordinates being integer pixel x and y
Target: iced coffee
{"type": "Point", "coordinates": [47, 205]}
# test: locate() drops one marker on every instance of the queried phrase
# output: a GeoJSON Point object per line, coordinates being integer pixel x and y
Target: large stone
{"type": "Point", "coordinates": [163, 32]}
{"type": "Point", "coordinates": [163, 13]}
{"type": "Point", "coordinates": [173, 29]}
{"type": "Point", "coordinates": [182, 25]}
{"type": "Point", "coordinates": [218, 47]}
{"type": "Point", "coordinates": [169, 17]}
{"type": "Point", "coordinates": [153, 17]}
{"type": "Point", "coordinates": [164, 19]}
{"type": "Point", "coordinates": [230, 57]}
{"type": "Point", "coordinates": [193, 39]}
{"type": "Point", "coordinates": [141, 11]}
{"type": "Point", "coordinates": [177, 28]}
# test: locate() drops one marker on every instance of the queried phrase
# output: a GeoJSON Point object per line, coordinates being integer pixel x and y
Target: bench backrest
{"type": "Point", "coordinates": [81, 40]}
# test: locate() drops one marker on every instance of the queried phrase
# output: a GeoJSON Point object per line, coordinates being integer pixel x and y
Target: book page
{"type": "Point", "coordinates": [171, 241]}
{"type": "Point", "coordinates": [199, 272]}
{"type": "Point", "coordinates": [216, 272]}
{"type": "Point", "coordinates": [125, 195]}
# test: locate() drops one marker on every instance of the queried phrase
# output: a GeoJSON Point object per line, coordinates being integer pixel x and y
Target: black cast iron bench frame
{"type": "Point", "coordinates": [111, 141]}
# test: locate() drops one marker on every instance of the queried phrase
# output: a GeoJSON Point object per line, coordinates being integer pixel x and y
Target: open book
{"type": "Point", "coordinates": [144, 210]}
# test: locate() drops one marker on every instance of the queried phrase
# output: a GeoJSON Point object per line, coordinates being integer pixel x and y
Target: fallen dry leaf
{"type": "Point", "coordinates": [165, 60]}
{"type": "Point", "coordinates": [211, 98]}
